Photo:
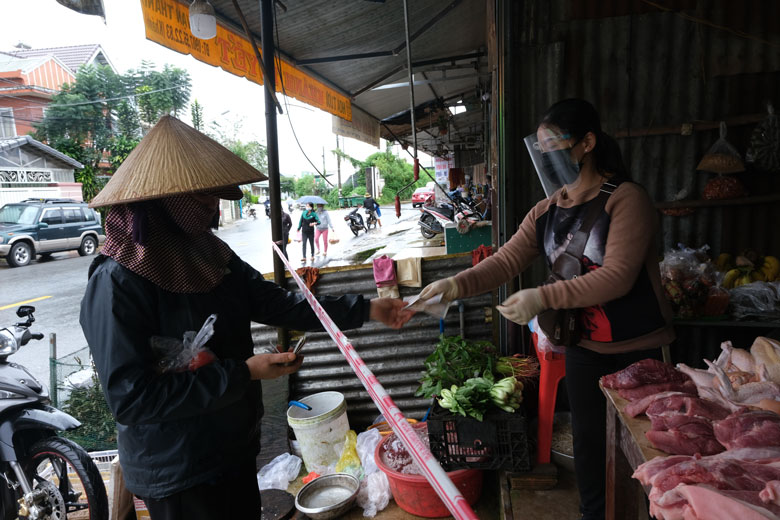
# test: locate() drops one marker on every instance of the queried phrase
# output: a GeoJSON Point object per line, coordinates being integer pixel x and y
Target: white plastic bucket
{"type": "Point", "coordinates": [320, 431]}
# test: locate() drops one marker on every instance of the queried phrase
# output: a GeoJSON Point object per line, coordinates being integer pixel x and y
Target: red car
{"type": "Point", "coordinates": [421, 196]}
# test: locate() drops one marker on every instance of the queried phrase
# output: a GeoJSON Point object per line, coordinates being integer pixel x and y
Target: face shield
{"type": "Point", "coordinates": [552, 160]}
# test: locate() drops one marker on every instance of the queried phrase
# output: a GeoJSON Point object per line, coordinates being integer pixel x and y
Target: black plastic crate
{"type": "Point", "coordinates": [499, 441]}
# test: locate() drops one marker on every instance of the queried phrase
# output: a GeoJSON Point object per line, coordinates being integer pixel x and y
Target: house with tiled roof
{"type": "Point", "coordinates": [26, 88]}
{"type": "Point", "coordinates": [73, 56]}
{"type": "Point", "coordinates": [30, 169]}
{"type": "Point", "coordinates": [30, 77]}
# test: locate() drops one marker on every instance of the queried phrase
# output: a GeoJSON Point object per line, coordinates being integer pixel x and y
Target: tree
{"type": "Point", "coordinates": [98, 115]}
{"type": "Point", "coordinates": [287, 185]}
{"type": "Point", "coordinates": [196, 110]}
{"type": "Point", "coordinates": [396, 172]}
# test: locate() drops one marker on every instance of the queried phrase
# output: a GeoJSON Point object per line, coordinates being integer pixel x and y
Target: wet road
{"type": "Point", "coordinates": [55, 287]}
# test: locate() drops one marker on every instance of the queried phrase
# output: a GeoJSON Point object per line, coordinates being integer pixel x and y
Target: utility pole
{"type": "Point", "coordinates": [338, 163]}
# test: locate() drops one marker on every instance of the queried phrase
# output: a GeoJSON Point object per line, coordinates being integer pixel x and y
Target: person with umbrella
{"type": "Point", "coordinates": [188, 438]}
{"type": "Point", "coordinates": [306, 224]}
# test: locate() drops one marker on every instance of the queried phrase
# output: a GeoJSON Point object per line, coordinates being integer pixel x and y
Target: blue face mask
{"type": "Point", "coordinates": [558, 166]}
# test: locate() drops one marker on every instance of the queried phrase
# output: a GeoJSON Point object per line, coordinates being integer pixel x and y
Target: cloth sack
{"type": "Point", "coordinates": [409, 272]}
{"type": "Point", "coordinates": [389, 291]}
{"type": "Point", "coordinates": [384, 271]}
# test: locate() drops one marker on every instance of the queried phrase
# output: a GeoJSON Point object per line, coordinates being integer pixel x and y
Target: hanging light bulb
{"type": "Point", "coordinates": [203, 21]}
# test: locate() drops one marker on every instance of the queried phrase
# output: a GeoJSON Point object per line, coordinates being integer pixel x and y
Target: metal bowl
{"type": "Point", "coordinates": [329, 496]}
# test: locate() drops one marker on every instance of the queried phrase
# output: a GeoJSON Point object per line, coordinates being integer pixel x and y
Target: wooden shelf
{"type": "Point", "coordinates": [702, 203]}
{"type": "Point", "coordinates": [727, 323]}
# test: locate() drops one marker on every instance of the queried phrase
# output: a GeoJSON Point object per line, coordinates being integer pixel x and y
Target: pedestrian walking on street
{"type": "Point", "coordinates": [306, 225]}
{"type": "Point", "coordinates": [286, 227]}
{"type": "Point", "coordinates": [321, 229]}
{"type": "Point", "coordinates": [189, 437]}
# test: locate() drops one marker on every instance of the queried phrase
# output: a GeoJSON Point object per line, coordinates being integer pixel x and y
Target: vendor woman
{"type": "Point", "coordinates": [625, 316]}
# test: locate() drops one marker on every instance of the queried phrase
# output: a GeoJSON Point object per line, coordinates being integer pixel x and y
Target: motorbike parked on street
{"type": "Point", "coordinates": [44, 476]}
{"type": "Point", "coordinates": [355, 221]}
{"type": "Point", "coordinates": [435, 217]}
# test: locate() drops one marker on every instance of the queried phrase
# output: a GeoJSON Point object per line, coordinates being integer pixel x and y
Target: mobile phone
{"type": "Point", "coordinates": [299, 345]}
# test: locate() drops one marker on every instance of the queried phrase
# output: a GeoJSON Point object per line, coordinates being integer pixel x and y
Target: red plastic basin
{"type": "Point", "coordinates": [415, 495]}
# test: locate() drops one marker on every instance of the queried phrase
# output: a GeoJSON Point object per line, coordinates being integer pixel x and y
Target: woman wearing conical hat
{"type": "Point", "coordinates": [188, 438]}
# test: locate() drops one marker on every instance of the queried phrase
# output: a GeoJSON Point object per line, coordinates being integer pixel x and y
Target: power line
{"type": "Point", "coordinates": [287, 108]}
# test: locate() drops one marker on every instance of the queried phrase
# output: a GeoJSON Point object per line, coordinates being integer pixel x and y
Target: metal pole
{"type": "Point", "coordinates": [272, 142]}
{"type": "Point", "coordinates": [411, 76]}
{"type": "Point", "coordinates": [53, 368]}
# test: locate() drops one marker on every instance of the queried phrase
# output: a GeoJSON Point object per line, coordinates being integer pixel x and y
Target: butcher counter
{"type": "Point", "coordinates": [627, 448]}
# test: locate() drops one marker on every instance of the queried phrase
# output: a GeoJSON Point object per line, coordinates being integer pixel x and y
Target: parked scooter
{"type": "Point", "coordinates": [46, 476]}
{"type": "Point", "coordinates": [370, 219]}
{"type": "Point", "coordinates": [434, 218]}
{"type": "Point", "coordinates": [355, 221]}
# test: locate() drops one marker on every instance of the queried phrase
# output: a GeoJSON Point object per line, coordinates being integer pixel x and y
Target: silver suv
{"type": "Point", "coordinates": [45, 226]}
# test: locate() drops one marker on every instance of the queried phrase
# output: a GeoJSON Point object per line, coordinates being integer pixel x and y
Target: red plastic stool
{"type": "Point", "coordinates": [552, 368]}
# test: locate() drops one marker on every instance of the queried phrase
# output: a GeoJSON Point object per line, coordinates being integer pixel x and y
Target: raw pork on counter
{"type": "Point", "coordinates": [714, 488]}
{"type": "Point", "coordinates": [746, 429]}
{"type": "Point", "coordinates": [647, 377]}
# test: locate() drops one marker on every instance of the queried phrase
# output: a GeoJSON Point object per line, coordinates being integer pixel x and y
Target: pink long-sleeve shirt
{"type": "Point", "coordinates": [620, 292]}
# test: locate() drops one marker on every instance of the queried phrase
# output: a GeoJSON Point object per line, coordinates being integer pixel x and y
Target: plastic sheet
{"type": "Point", "coordinates": [757, 300]}
{"type": "Point", "coordinates": [374, 494]}
{"type": "Point", "coordinates": [349, 462]}
{"type": "Point", "coordinates": [278, 473]}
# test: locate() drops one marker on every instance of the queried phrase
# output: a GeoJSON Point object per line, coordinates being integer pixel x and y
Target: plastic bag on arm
{"type": "Point", "coordinates": [543, 343]}
{"type": "Point", "coordinates": [374, 494]}
{"type": "Point", "coordinates": [278, 473]}
{"type": "Point", "coordinates": [188, 354]}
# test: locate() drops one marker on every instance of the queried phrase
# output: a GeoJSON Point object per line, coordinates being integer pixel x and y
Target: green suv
{"type": "Point", "coordinates": [45, 226]}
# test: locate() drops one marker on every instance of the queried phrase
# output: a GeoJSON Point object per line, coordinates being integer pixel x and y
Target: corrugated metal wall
{"type": "Point", "coordinates": [649, 67]}
{"type": "Point", "coordinates": [395, 357]}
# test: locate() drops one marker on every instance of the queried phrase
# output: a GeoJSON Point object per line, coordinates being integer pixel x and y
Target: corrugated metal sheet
{"type": "Point", "coordinates": [319, 29]}
{"type": "Point", "coordinates": [395, 357]}
{"type": "Point", "coordinates": [647, 70]}
{"type": "Point", "coordinates": [653, 69]}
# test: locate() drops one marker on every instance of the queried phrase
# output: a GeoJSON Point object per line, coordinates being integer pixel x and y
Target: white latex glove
{"type": "Point", "coordinates": [522, 306]}
{"type": "Point", "coordinates": [447, 287]}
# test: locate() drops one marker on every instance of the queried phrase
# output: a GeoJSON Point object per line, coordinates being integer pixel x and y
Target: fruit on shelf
{"type": "Point", "coordinates": [771, 268]}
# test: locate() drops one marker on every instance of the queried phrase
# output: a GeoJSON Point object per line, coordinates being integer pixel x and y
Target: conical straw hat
{"type": "Point", "coordinates": [174, 158]}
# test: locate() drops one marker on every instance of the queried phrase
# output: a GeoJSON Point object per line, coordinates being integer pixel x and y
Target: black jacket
{"type": "Point", "coordinates": [178, 430]}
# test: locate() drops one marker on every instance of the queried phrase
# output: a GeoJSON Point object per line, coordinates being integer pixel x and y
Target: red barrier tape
{"type": "Point", "coordinates": [430, 467]}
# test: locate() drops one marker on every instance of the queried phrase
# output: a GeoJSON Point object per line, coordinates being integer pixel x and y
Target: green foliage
{"type": "Point", "coordinates": [127, 120]}
{"type": "Point", "coordinates": [454, 361]}
{"type": "Point", "coordinates": [98, 428]}
{"type": "Point", "coordinates": [304, 186]}
{"type": "Point", "coordinates": [196, 110]}
{"type": "Point", "coordinates": [120, 148]}
{"type": "Point", "coordinates": [287, 185]}
{"type": "Point", "coordinates": [396, 172]}
{"type": "Point", "coordinates": [252, 152]}
{"type": "Point", "coordinates": [98, 115]}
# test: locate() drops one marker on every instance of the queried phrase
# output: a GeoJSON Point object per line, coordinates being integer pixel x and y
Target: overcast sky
{"type": "Point", "coordinates": [225, 98]}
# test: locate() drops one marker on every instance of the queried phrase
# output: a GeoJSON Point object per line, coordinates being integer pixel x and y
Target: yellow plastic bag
{"type": "Point", "coordinates": [349, 462]}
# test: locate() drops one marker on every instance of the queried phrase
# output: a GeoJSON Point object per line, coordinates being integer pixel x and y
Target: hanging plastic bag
{"type": "Point", "coordinates": [349, 462]}
{"type": "Point", "coordinates": [278, 473]}
{"type": "Point", "coordinates": [374, 493]}
{"type": "Point", "coordinates": [764, 150]}
{"type": "Point", "coordinates": [188, 354]}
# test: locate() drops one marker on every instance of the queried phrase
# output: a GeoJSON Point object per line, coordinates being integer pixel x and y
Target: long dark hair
{"type": "Point", "coordinates": [577, 117]}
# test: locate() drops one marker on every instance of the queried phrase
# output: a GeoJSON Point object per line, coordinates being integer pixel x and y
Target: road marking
{"type": "Point", "coordinates": [24, 302]}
